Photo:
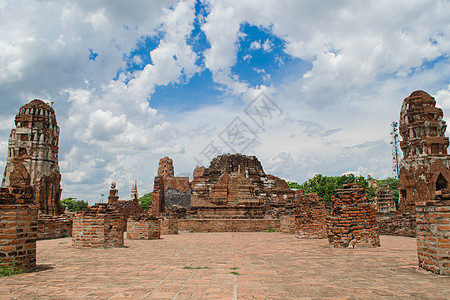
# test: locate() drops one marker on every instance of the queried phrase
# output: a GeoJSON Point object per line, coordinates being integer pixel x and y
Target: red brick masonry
{"type": "Point", "coordinates": [143, 227]}
{"type": "Point", "coordinates": [18, 227]}
{"type": "Point", "coordinates": [352, 223]}
{"type": "Point", "coordinates": [228, 225]}
{"type": "Point", "coordinates": [98, 226]}
{"type": "Point", "coordinates": [433, 233]}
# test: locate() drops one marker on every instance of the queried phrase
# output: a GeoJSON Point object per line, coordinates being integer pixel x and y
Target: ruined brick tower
{"type": "Point", "coordinates": [424, 168]}
{"type": "Point", "coordinates": [33, 155]}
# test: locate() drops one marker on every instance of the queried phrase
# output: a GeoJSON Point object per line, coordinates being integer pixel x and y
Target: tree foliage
{"type": "Point", "coordinates": [325, 186]}
{"type": "Point", "coordinates": [146, 200]}
{"type": "Point", "coordinates": [73, 204]}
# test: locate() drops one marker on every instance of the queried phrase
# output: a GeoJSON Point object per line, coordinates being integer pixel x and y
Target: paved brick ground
{"type": "Point", "coordinates": [267, 266]}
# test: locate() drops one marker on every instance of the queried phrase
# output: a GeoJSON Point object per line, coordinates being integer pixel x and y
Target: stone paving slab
{"type": "Point", "coordinates": [227, 266]}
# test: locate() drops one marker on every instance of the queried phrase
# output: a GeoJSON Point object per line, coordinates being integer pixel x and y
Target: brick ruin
{"type": "Point", "coordinates": [310, 217]}
{"type": "Point", "coordinates": [235, 186]}
{"type": "Point", "coordinates": [18, 227]}
{"type": "Point", "coordinates": [98, 226]}
{"type": "Point", "coordinates": [352, 223]}
{"type": "Point", "coordinates": [143, 227]}
{"type": "Point", "coordinates": [169, 190]}
{"type": "Point", "coordinates": [33, 155]}
{"type": "Point", "coordinates": [433, 233]}
{"type": "Point", "coordinates": [424, 168]}
{"type": "Point", "coordinates": [384, 201]}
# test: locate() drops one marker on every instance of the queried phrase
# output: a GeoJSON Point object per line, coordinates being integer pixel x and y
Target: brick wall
{"type": "Point", "coordinates": [352, 223]}
{"type": "Point", "coordinates": [53, 227]}
{"type": "Point", "coordinates": [433, 233]}
{"type": "Point", "coordinates": [18, 227]}
{"type": "Point", "coordinates": [399, 224]}
{"type": "Point", "coordinates": [169, 226]}
{"type": "Point", "coordinates": [228, 225]}
{"type": "Point", "coordinates": [98, 226]}
{"type": "Point", "coordinates": [143, 227]}
{"type": "Point", "coordinates": [287, 224]}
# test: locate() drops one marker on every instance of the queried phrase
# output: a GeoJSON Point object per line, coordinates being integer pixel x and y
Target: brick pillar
{"type": "Point", "coordinates": [433, 233]}
{"type": "Point", "coordinates": [99, 226]}
{"type": "Point", "coordinates": [310, 217]}
{"type": "Point", "coordinates": [18, 227]}
{"type": "Point", "coordinates": [158, 196]}
{"type": "Point", "coordinates": [352, 223]}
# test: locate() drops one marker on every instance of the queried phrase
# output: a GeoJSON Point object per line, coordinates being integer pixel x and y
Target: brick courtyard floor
{"type": "Point", "coordinates": [201, 266]}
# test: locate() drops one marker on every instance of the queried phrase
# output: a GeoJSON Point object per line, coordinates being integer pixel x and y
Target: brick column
{"type": "Point", "coordinates": [98, 226]}
{"type": "Point", "coordinates": [433, 233]}
{"type": "Point", "coordinates": [18, 227]}
{"type": "Point", "coordinates": [352, 223]}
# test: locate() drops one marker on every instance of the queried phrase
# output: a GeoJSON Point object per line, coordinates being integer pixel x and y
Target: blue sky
{"type": "Point", "coordinates": [158, 78]}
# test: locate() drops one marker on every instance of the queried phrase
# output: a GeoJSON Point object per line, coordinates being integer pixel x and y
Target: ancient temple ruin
{"type": "Point", "coordinates": [424, 168]}
{"type": "Point", "coordinates": [310, 217]}
{"type": "Point", "coordinates": [169, 190]}
{"type": "Point", "coordinates": [33, 156]}
{"type": "Point", "coordinates": [235, 186]}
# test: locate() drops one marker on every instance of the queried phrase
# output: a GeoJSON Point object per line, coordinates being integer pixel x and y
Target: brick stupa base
{"type": "Point", "coordinates": [18, 227]}
{"type": "Point", "coordinates": [143, 227]}
{"type": "Point", "coordinates": [98, 226]}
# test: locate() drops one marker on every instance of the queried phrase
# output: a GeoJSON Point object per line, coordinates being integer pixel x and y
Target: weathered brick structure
{"type": "Point", "coordinates": [352, 223]}
{"type": "Point", "coordinates": [97, 226]}
{"type": "Point", "coordinates": [33, 155]}
{"type": "Point", "coordinates": [113, 197]}
{"type": "Point", "coordinates": [228, 225]}
{"type": "Point", "coordinates": [169, 190]}
{"type": "Point", "coordinates": [310, 217]}
{"type": "Point", "coordinates": [143, 227]}
{"type": "Point", "coordinates": [18, 227]}
{"type": "Point", "coordinates": [433, 233]}
{"type": "Point", "coordinates": [53, 227]}
{"type": "Point", "coordinates": [384, 201]}
{"type": "Point", "coordinates": [235, 186]}
{"type": "Point", "coordinates": [400, 224]}
{"type": "Point", "coordinates": [424, 168]}
{"type": "Point", "coordinates": [169, 225]}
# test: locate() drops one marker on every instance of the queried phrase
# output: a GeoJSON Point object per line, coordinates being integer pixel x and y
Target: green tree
{"type": "Point", "coordinates": [146, 200]}
{"type": "Point", "coordinates": [325, 186]}
{"type": "Point", "coordinates": [73, 204]}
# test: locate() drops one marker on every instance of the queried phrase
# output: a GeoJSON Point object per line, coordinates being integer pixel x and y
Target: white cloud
{"type": "Point", "coordinates": [255, 45]}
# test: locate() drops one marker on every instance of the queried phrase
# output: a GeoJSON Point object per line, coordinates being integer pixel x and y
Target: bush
{"type": "Point", "coordinates": [146, 200]}
{"type": "Point", "coordinates": [73, 204]}
{"type": "Point", "coordinates": [9, 269]}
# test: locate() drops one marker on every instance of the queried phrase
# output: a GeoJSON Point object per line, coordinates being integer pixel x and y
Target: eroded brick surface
{"type": "Point", "coordinates": [433, 233]}
{"type": "Point", "coordinates": [18, 227]}
{"type": "Point", "coordinates": [33, 156]}
{"type": "Point", "coordinates": [143, 227]}
{"type": "Point", "coordinates": [310, 217]}
{"type": "Point", "coordinates": [352, 223]}
{"type": "Point", "coordinates": [98, 226]}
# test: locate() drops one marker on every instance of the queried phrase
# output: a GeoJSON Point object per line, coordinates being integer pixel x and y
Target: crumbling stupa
{"type": "Point", "coordinates": [33, 156]}
{"type": "Point", "coordinates": [424, 168]}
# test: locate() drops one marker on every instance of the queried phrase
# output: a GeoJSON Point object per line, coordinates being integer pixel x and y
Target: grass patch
{"type": "Point", "coordinates": [270, 229]}
{"type": "Point", "coordinates": [195, 268]}
{"type": "Point", "coordinates": [235, 273]}
{"type": "Point", "coordinates": [67, 236]}
{"type": "Point", "coordinates": [9, 269]}
{"type": "Point", "coordinates": [191, 230]}
{"type": "Point", "coordinates": [234, 268]}
{"type": "Point", "coordinates": [62, 242]}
